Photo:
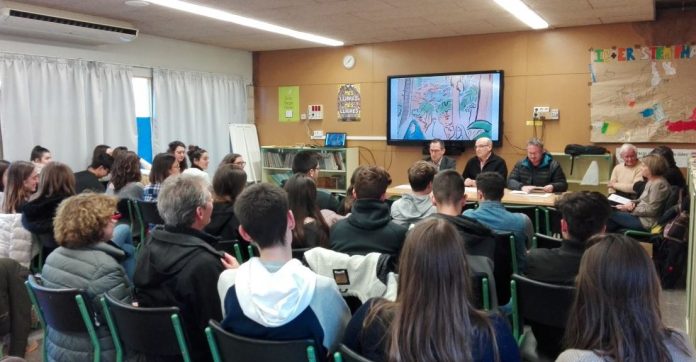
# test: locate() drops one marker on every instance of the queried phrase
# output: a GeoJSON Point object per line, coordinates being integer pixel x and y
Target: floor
{"type": "Point", "coordinates": [673, 314]}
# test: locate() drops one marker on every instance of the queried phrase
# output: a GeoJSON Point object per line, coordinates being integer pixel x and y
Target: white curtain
{"type": "Point", "coordinates": [197, 108]}
{"type": "Point", "coordinates": [68, 106]}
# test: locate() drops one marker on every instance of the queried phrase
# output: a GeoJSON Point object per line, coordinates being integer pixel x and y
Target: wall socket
{"type": "Point", "coordinates": [537, 111]}
{"type": "Point", "coordinates": [318, 133]}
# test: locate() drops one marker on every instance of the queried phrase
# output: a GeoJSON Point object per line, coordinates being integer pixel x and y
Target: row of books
{"type": "Point", "coordinates": [328, 161]}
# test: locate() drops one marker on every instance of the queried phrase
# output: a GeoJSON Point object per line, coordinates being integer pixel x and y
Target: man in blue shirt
{"type": "Point", "coordinates": [492, 213]}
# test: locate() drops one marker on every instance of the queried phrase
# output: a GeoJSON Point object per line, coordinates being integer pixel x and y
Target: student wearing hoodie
{"type": "Point", "coordinates": [415, 206]}
{"type": "Point", "coordinates": [177, 266]}
{"type": "Point", "coordinates": [273, 296]}
{"type": "Point", "coordinates": [449, 199]}
{"type": "Point", "coordinates": [369, 228]}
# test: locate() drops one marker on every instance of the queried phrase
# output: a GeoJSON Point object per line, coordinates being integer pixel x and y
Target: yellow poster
{"type": "Point", "coordinates": [289, 104]}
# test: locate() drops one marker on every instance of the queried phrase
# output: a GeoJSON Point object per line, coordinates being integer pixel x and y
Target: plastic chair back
{"type": "Point", "coordinates": [480, 297]}
{"type": "Point", "coordinates": [504, 263]}
{"type": "Point", "coordinates": [58, 307]}
{"type": "Point", "coordinates": [229, 347]}
{"type": "Point", "coordinates": [346, 354]}
{"type": "Point", "coordinates": [149, 213]}
{"type": "Point", "coordinates": [155, 332]}
{"type": "Point", "coordinates": [547, 242]}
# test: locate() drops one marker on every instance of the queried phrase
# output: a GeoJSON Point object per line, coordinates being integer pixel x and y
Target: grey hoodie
{"type": "Point", "coordinates": [411, 208]}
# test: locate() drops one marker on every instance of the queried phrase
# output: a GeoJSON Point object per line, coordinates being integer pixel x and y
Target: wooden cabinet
{"type": "Point", "coordinates": [575, 169]}
{"type": "Point", "coordinates": [336, 165]}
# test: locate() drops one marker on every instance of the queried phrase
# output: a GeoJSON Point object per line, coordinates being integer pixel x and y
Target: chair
{"type": "Point", "coordinates": [149, 213]}
{"type": "Point", "coordinates": [153, 332]}
{"type": "Point", "coordinates": [345, 354]}
{"type": "Point", "coordinates": [545, 241]}
{"type": "Point", "coordinates": [229, 347]}
{"type": "Point", "coordinates": [545, 307]}
{"type": "Point", "coordinates": [233, 247]}
{"type": "Point", "coordinates": [504, 264]}
{"type": "Point", "coordinates": [65, 311]}
{"type": "Point", "coordinates": [550, 220]}
{"type": "Point", "coordinates": [642, 235]}
{"type": "Point", "coordinates": [480, 297]}
{"type": "Point", "coordinates": [529, 210]}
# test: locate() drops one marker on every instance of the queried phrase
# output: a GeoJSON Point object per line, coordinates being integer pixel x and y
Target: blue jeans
{"type": "Point", "coordinates": [123, 238]}
{"type": "Point", "coordinates": [623, 220]}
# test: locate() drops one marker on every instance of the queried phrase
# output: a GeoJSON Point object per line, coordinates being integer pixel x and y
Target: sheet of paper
{"type": "Point", "coordinates": [403, 187]}
{"type": "Point", "coordinates": [619, 199]}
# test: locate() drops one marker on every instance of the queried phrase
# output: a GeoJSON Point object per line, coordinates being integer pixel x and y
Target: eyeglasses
{"type": "Point", "coordinates": [116, 216]}
{"type": "Point", "coordinates": [240, 163]}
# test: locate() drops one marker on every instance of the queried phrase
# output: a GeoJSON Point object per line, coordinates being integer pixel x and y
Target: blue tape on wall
{"type": "Point", "coordinates": [144, 138]}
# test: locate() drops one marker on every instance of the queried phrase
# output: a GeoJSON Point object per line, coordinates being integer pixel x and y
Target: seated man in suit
{"type": "Point", "coordinates": [484, 161]}
{"type": "Point", "coordinates": [583, 214]}
{"type": "Point", "coordinates": [416, 205]}
{"type": "Point", "coordinates": [492, 213]}
{"type": "Point", "coordinates": [438, 158]}
{"type": "Point", "coordinates": [307, 162]}
{"type": "Point", "coordinates": [369, 228]}
{"type": "Point", "coordinates": [538, 169]}
{"type": "Point", "coordinates": [274, 296]}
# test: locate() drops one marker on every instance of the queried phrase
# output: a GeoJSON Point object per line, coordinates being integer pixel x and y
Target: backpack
{"type": "Point", "coordinates": [576, 150]}
{"type": "Point", "coordinates": [670, 248]}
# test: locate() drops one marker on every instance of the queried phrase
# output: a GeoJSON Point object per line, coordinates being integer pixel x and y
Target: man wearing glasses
{"type": "Point", "coordinates": [484, 161]}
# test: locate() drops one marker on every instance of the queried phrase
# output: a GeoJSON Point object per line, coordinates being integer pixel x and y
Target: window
{"type": "Point", "coordinates": [142, 94]}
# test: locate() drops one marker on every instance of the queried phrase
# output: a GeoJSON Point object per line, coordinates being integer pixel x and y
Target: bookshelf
{"type": "Point", "coordinates": [336, 165]}
{"type": "Point", "coordinates": [605, 164]}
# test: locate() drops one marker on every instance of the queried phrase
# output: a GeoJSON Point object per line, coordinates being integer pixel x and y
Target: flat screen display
{"type": "Point", "coordinates": [457, 108]}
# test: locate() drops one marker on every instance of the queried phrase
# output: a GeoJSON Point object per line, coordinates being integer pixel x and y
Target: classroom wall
{"type": "Point", "coordinates": [547, 68]}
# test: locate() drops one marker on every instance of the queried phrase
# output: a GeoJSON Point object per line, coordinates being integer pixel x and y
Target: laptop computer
{"type": "Point", "coordinates": [335, 139]}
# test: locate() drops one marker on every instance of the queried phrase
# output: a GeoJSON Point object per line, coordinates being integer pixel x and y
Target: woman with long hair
{"type": "Point", "coordinates": [199, 162]}
{"type": "Point", "coordinates": [126, 177]}
{"type": "Point", "coordinates": [644, 213]}
{"type": "Point", "coordinates": [228, 183]}
{"type": "Point", "coordinates": [163, 166]}
{"type": "Point", "coordinates": [178, 150]}
{"type": "Point", "coordinates": [310, 227]}
{"type": "Point", "coordinates": [22, 179]}
{"type": "Point", "coordinates": [4, 165]}
{"type": "Point", "coordinates": [616, 312]}
{"type": "Point", "coordinates": [233, 159]}
{"type": "Point", "coordinates": [56, 183]}
{"type": "Point", "coordinates": [432, 318]}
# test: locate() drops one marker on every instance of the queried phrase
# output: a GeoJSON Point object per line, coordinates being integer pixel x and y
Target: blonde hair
{"type": "Point", "coordinates": [80, 220]}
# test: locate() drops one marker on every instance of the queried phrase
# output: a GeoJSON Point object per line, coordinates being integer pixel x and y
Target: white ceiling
{"type": "Point", "coordinates": [353, 21]}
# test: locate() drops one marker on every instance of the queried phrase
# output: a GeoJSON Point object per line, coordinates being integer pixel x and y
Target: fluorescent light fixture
{"type": "Point", "coordinates": [241, 20]}
{"type": "Point", "coordinates": [524, 13]}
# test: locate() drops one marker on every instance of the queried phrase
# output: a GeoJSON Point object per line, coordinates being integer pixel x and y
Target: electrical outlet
{"type": "Point", "coordinates": [318, 133]}
{"type": "Point", "coordinates": [538, 110]}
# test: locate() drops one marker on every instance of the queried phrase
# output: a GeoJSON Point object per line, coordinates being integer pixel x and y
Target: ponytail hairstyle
{"type": "Point", "coordinates": [195, 153]}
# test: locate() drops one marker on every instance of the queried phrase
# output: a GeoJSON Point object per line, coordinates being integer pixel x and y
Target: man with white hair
{"type": "Point", "coordinates": [484, 161]}
{"type": "Point", "coordinates": [627, 173]}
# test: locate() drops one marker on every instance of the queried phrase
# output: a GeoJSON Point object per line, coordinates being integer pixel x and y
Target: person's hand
{"type": "Point", "coordinates": [548, 188]}
{"type": "Point", "coordinates": [610, 184]}
{"type": "Point", "coordinates": [470, 182]}
{"type": "Point", "coordinates": [527, 188]}
{"type": "Point", "coordinates": [229, 262]}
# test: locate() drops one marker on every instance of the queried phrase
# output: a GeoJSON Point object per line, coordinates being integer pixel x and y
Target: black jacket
{"type": "Point", "coordinates": [478, 237]}
{"type": "Point", "coordinates": [555, 266]}
{"type": "Point", "coordinates": [549, 172]}
{"type": "Point", "coordinates": [223, 222]}
{"type": "Point", "coordinates": [494, 163]}
{"type": "Point", "coordinates": [15, 306]}
{"type": "Point", "coordinates": [37, 217]}
{"type": "Point", "coordinates": [368, 229]}
{"type": "Point", "coordinates": [85, 180]}
{"type": "Point", "coordinates": [178, 267]}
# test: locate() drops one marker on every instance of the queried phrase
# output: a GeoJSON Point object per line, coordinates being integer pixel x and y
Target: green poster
{"type": "Point", "coordinates": [289, 104]}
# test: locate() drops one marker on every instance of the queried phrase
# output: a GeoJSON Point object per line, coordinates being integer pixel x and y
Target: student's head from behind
{"type": "Point", "coordinates": [666, 153]}
{"type": "Point", "coordinates": [126, 169]}
{"type": "Point", "coordinates": [41, 155]}
{"type": "Point", "coordinates": [118, 151]}
{"type": "Point", "coordinates": [163, 166]}
{"type": "Point", "coordinates": [306, 162]}
{"type": "Point", "coordinates": [617, 305]}
{"type": "Point", "coordinates": [371, 182]}
{"type": "Point", "coordinates": [233, 159]}
{"type": "Point", "coordinates": [437, 150]}
{"type": "Point", "coordinates": [448, 188]}
{"type": "Point", "coordinates": [198, 157]}
{"type": "Point", "coordinates": [654, 165]}
{"type": "Point", "coordinates": [22, 181]}
{"type": "Point", "coordinates": [583, 214]}
{"type": "Point", "coordinates": [99, 149]}
{"type": "Point", "coordinates": [228, 183]}
{"type": "Point", "coordinates": [629, 154]}
{"type": "Point", "coordinates": [302, 193]}
{"type": "Point", "coordinates": [84, 219]}
{"type": "Point", "coordinates": [535, 151]}
{"type": "Point", "coordinates": [101, 164]}
{"type": "Point", "coordinates": [491, 185]}
{"type": "Point", "coordinates": [56, 179]}
{"type": "Point", "coordinates": [185, 201]}
{"type": "Point", "coordinates": [420, 175]}
{"type": "Point", "coordinates": [264, 215]}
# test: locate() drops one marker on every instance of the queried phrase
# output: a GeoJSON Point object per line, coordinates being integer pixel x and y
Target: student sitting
{"type": "Point", "coordinates": [307, 162]}
{"type": "Point", "coordinates": [21, 182]}
{"type": "Point", "coordinates": [163, 166]}
{"type": "Point", "coordinates": [616, 313]}
{"type": "Point", "coordinates": [432, 318]}
{"type": "Point", "coordinates": [274, 296]}
{"type": "Point", "coordinates": [228, 183]}
{"type": "Point", "coordinates": [40, 157]}
{"type": "Point", "coordinates": [417, 205]}
{"type": "Point", "coordinates": [310, 227]}
{"type": "Point", "coordinates": [369, 227]}
{"type": "Point", "coordinates": [98, 169]}
{"type": "Point", "coordinates": [199, 162]}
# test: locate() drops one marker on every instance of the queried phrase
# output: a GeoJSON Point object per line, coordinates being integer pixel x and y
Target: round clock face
{"type": "Point", "coordinates": [348, 61]}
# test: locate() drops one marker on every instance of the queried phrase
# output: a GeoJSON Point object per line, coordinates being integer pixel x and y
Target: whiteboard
{"type": "Point", "coordinates": [245, 141]}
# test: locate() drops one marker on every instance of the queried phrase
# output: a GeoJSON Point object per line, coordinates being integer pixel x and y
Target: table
{"type": "Point", "coordinates": [508, 198]}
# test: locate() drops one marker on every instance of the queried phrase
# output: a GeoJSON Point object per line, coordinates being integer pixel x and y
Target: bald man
{"type": "Point", "coordinates": [484, 161]}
